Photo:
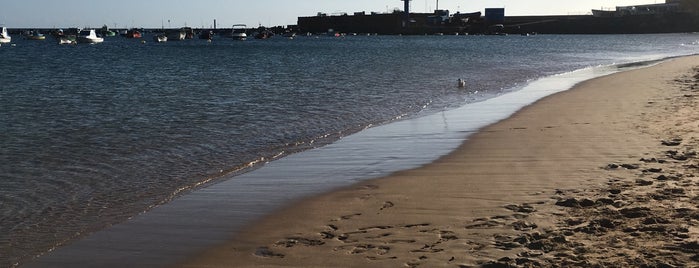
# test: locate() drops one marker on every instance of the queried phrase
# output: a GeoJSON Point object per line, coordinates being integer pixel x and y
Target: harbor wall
{"type": "Point", "coordinates": [569, 24]}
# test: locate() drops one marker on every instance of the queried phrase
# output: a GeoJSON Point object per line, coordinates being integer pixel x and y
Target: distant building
{"type": "Point", "coordinates": [668, 7]}
{"type": "Point", "coordinates": [494, 16]}
{"type": "Point", "coordinates": [668, 17]}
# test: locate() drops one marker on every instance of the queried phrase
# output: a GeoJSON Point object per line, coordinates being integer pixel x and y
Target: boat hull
{"type": "Point", "coordinates": [87, 40]}
{"type": "Point", "coordinates": [65, 41]}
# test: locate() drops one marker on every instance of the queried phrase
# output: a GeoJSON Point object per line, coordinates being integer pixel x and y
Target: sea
{"type": "Point", "coordinates": [103, 144]}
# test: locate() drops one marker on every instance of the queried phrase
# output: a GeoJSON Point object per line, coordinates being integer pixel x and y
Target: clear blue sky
{"type": "Point", "coordinates": [154, 13]}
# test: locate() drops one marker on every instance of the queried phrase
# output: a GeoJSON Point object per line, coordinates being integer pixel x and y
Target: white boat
{"type": "Point", "coordinates": [4, 36]}
{"type": "Point", "coordinates": [239, 32]}
{"type": "Point", "coordinates": [89, 37]}
{"type": "Point", "coordinates": [160, 38]}
{"type": "Point", "coordinates": [65, 41]}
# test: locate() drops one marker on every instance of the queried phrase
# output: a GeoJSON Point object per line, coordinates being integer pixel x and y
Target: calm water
{"type": "Point", "coordinates": [95, 134]}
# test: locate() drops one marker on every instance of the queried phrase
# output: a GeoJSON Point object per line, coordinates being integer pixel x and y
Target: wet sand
{"type": "Point", "coordinates": [602, 174]}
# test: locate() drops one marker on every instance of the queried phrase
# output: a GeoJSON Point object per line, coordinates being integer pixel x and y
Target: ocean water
{"type": "Point", "coordinates": [93, 135]}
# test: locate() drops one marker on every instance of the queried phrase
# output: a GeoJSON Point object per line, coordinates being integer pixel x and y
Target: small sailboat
{"type": "Point", "coordinates": [89, 37]}
{"type": "Point", "coordinates": [4, 36]}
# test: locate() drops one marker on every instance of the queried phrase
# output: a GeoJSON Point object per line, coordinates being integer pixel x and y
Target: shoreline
{"type": "Point", "coordinates": [475, 205]}
{"type": "Point", "coordinates": [166, 232]}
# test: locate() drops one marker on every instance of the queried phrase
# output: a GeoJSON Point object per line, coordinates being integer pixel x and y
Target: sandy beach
{"type": "Point", "coordinates": [602, 174]}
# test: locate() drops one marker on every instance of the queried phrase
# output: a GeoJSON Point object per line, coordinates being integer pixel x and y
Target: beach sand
{"type": "Point", "coordinates": [602, 174]}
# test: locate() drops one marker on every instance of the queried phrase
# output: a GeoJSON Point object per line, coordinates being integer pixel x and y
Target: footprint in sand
{"type": "Point", "coordinates": [265, 252]}
{"type": "Point", "coordinates": [294, 241]}
{"type": "Point", "coordinates": [347, 217]}
{"type": "Point", "coordinates": [387, 204]}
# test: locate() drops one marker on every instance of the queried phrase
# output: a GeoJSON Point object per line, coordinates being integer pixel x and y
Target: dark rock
{"type": "Point", "coordinates": [615, 191]}
{"type": "Point", "coordinates": [612, 166]}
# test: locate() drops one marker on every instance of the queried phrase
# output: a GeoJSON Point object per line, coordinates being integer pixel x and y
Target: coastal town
{"type": "Point", "coordinates": [673, 16]}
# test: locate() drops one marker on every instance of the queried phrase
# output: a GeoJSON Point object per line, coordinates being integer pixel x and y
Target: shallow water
{"type": "Point", "coordinates": [208, 216]}
{"type": "Point", "coordinates": [97, 134]}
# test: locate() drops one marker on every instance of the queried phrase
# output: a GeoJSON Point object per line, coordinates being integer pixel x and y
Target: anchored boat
{"type": "Point", "coordinates": [89, 37]}
{"type": "Point", "coordinates": [4, 36]}
{"type": "Point", "coordinates": [238, 32]}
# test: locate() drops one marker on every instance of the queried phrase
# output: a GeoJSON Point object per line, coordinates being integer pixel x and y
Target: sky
{"type": "Point", "coordinates": [201, 13]}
